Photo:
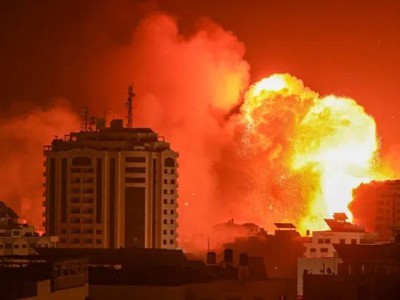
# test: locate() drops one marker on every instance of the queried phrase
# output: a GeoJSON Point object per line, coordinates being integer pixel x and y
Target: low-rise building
{"type": "Point", "coordinates": [17, 238]}
{"type": "Point", "coordinates": [366, 272]}
{"type": "Point", "coordinates": [320, 254]}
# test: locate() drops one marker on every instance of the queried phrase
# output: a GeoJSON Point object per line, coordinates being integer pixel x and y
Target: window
{"type": "Point", "coordinates": [172, 212]}
{"type": "Point", "coordinates": [64, 231]}
{"type": "Point", "coordinates": [342, 241]}
{"type": "Point", "coordinates": [165, 221]}
{"type": "Point", "coordinates": [172, 201]}
{"type": "Point", "coordinates": [24, 246]}
{"type": "Point", "coordinates": [16, 246]}
{"type": "Point", "coordinates": [135, 180]}
{"type": "Point", "coordinates": [172, 171]}
{"type": "Point", "coordinates": [98, 231]}
{"type": "Point", "coordinates": [165, 192]}
{"type": "Point", "coordinates": [165, 181]}
{"type": "Point", "coordinates": [98, 241]}
{"type": "Point", "coordinates": [320, 241]}
{"type": "Point", "coordinates": [62, 241]}
{"type": "Point", "coordinates": [171, 192]}
{"type": "Point", "coordinates": [81, 161]}
{"type": "Point", "coordinates": [353, 241]}
{"type": "Point", "coordinates": [88, 241]}
{"type": "Point", "coordinates": [169, 162]}
{"type": "Point", "coordinates": [165, 171]}
{"type": "Point", "coordinates": [172, 181]}
{"type": "Point", "coordinates": [327, 241]}
{"type": "Point", "coordinates": [324, 250]}
{"type": "Point", "coordinates": [135, 170]}
{"type": "Point", "coordinates": [165, 212]}
{"type": "Point", "coordinates": [171, 231]}
{"type": "Point", "coordinates": [171, 242]}
{"type": "Point", "coordinates": [164, 231]}
{"type": "Point", "coordinates": [15, 233]}
{"type": "Point", "coordinates": [1, 246]}
{"type": "Point", "coordinates": [312, 250]}
{"type": "Point", "coordinates": [75, 241]}
{"type": "Point", "coordinates": [165, 201]}
{"type": "Point", "coordinates": [171, 221]}
{"type": "Point", "coordinates": [135, 159]}
{"type": "Point", "coordinates": [164, 242]}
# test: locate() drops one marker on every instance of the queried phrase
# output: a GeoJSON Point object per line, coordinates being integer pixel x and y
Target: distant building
{"type": "Point", "coordinates": [366, 272]}
{"type": "Point", "coordinates": [41, 277]}
{"type": "Point", "coordinates": [320, 254]}
{"type": "Point", "coordinates": [279, 250]}
{"type": "Point", "coordinates": [376, 206]}
{"type": "Point", "coordinates": [17, 238]}
{"type": "Point", "coordinates": [149, 274]}
{"type": "Point", "coordinates": [112, 187]}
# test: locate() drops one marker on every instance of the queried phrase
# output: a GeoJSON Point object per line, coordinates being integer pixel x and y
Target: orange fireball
{"type": "Point", "coordinates": [331, 141]}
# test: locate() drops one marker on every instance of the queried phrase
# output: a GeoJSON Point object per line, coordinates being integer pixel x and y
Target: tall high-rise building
{"type": "Point", "coordinates": [112, 187]}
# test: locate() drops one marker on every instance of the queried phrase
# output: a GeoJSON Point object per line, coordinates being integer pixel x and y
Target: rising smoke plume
{"type": "Point", "coordinates": [254, 155]}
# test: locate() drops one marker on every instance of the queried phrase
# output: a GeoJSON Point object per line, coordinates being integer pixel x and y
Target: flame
{"type": "Point", "coordinates": [330, 141]}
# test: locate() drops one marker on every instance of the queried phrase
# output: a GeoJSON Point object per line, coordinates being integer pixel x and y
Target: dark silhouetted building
{"type": "Point", "coordinates": [41, 277]}
{"type": "Point", "coordinates": [136, 273]}
{"type": "Point", "coordinates": [376, 206]}
{"type": "Point", "coordinates": [367, 272]}
{"type": "Point", "coordinates": [112, 187]}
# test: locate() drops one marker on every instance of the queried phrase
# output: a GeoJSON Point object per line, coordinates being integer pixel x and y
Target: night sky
{"type": "Point", "coordinates": [56, 56]}
{"type": "Point", "coordinates": [50, 48]}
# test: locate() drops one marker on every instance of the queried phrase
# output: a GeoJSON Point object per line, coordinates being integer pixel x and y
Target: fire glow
{"type": "Point", "coordinates": [333, 141]}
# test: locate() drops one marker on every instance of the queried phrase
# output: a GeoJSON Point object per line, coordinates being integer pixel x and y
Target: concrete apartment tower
{"type": "Point", "coordinates": [111, 187]}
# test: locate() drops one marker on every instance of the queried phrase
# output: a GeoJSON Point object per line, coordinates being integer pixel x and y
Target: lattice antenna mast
{"type": "Point", "coordinates": [85, 122]}
{"type": "Point", "coordinates": [128, 105]}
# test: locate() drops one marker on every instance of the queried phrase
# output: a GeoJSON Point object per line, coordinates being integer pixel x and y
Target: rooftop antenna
{"type": "Point", "coordinates": [128, 105]}
{"type": "Point", "coordinates": [85, 122]}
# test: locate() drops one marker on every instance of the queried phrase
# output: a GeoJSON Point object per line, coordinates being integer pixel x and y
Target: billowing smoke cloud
{"type": "Point", "coordinates": [186, 90]}
{"type": "Point", "coordinates": [21, 157]}
{"type": "Point", "coordinates": [237, 150]}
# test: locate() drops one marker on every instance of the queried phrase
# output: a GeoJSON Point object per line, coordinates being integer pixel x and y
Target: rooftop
{"type": "Point", "coordinates": [113, 138]}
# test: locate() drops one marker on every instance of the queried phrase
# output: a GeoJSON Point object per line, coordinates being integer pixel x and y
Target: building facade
{"type": "Point", "coordinates": [376, 205]}
{"type": "Point", "coordinates": [110, 188]}
{"type": "Point", "coordinates": [320, 255]}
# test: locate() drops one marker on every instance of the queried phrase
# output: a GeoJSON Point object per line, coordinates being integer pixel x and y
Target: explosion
{"type": "Point", "coordinates": [329, 142]}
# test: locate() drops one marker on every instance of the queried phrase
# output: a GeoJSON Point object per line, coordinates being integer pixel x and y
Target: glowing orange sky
{"type": "Point", "coordinates": [89, 52]}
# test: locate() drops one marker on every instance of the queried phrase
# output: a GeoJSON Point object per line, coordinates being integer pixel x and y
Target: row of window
{"type": "Point", "coordinates": [81, 180]}
{"type": "Point", "coordinates": [322, 250]}
{"type": "Point", "coordinates": [170, 191]}
{"type": "Point", "coordinates": [172, 212]}
{"type": "Point", "coordinates": [77, 230]}
{"type": "Point", "coordinates": [172, 181]}
{"type": "Point", "coordinates": [135, 159]}
{"type": "Point", "coordinates": [171, 201]}
{"type": "Point", "coordinates": [171, 221]}
{"type": "Point", "coordinates": [84, 200]}
{"type": "Point", "coordinates": [76, 190]}
{"type": "Point", "coordinates": [81, 170]}
{"type": "Point", "coordinates": [78, 241]}
{"type": "Point", "coordinates": [16, 246]}
{"type": "Point", "coordinates": [171, 232]}
{"type": "Point", "coordinates": [171, 171]}
{"type": "Point", "coordinates": [171, 242]}
{"type": "Point", "coordinates": [324, 241]}
{"type": "Point", "coordinates": [135, 180]}
{"type": "Point", "coordinates": [83, 220]}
